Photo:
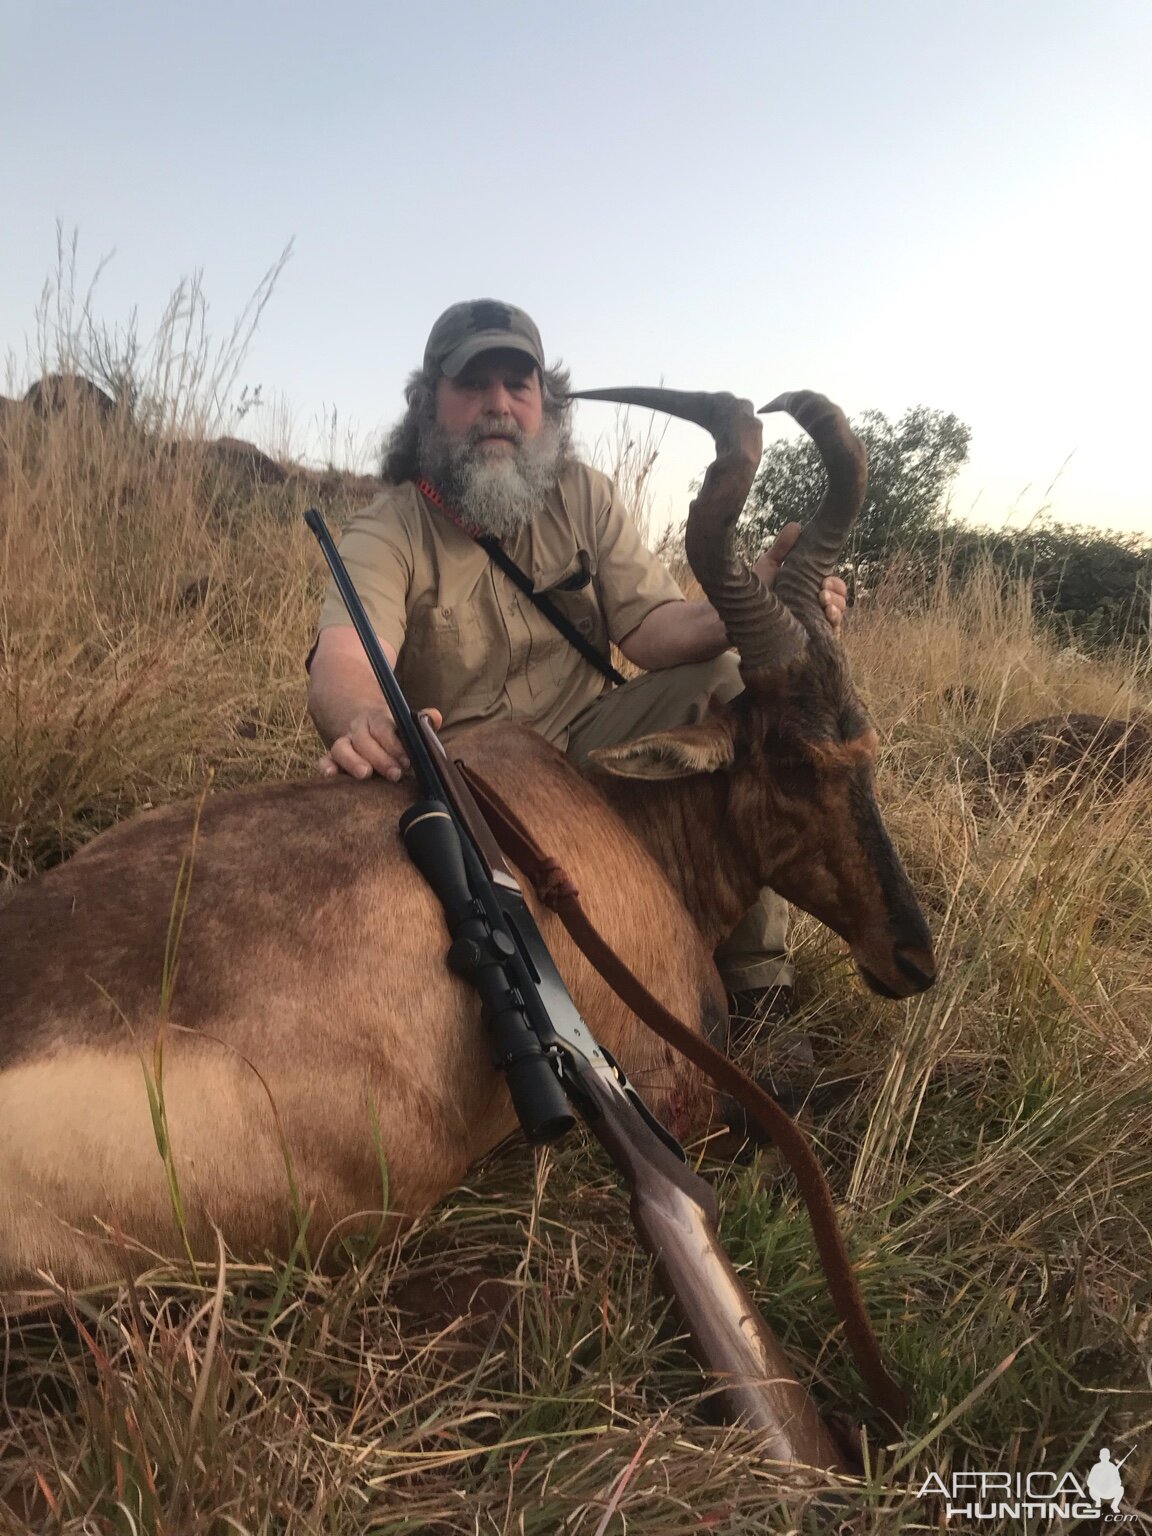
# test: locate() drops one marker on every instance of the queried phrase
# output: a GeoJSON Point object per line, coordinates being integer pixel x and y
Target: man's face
{"type": "Point", "coordinates": [501, 389]}
{"type": "Point", "coordinates": [490, 449]}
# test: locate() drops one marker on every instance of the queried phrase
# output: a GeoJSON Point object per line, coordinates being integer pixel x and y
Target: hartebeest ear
{"type": "Point", "coordinates": [703, 748]}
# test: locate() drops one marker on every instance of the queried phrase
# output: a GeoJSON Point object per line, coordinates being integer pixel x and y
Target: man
{"type": "Point", "coordinates": [485, 449]}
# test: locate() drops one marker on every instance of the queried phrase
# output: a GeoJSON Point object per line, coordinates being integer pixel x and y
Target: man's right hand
{"type": "Point", "coordinates": [349, 709]}
{"type": "Point", "coordinates": [371, 745]}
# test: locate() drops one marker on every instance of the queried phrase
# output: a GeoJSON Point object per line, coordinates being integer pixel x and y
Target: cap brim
{"type": "Point", "coordinates": [487, 341]}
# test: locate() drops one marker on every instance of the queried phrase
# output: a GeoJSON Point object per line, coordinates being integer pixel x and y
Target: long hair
{"type": "Point", "coordinates": [401, 449]}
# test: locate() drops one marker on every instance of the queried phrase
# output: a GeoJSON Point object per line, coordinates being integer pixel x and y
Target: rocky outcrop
{"type": "Point", "coordinates": [228, 469]}
{"type": "Point", "coordinates": [1062, 753]}
{"type": "Point", "coordinates": [243, 462]}
{"type": "Point", "coordinates": [56, 393]}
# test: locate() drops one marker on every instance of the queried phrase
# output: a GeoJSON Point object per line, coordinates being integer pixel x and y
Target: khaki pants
{"type": "Point", "coordinates": [755, 953]}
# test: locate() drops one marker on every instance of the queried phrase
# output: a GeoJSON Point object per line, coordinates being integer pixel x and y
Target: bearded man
{"type": "Point", "coordinates": [484, 451]}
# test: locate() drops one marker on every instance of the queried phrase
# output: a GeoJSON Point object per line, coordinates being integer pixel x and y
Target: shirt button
{"type": "Point", "coordinates": [445, 613]}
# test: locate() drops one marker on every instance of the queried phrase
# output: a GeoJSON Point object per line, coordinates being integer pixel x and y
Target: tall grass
{"type": "Point", "coordinates": [509, 1366]}
{"type": "Point", "coordinates": [155, 604]}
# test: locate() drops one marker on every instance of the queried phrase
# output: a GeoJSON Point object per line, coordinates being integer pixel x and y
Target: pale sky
{"type": "Point", "coordinates": [896, 203]}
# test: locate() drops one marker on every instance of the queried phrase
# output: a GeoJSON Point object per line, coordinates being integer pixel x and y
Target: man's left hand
{"type": "Point", "coordinates": [833, 593]}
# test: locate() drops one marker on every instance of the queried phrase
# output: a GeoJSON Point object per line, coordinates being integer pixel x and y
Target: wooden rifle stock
{"type": "Point", "coordinates": [674, 1213]}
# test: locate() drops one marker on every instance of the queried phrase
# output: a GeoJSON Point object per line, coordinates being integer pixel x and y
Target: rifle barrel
{"type": "Point", "coordinates": [389, 687]}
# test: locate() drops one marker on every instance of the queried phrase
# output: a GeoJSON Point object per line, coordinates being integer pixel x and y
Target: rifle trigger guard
{"type": "Point", "coordinates": [639, 1105]}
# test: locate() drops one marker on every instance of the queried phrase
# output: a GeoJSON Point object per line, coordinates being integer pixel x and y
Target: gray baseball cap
{"type": "Point", "coordinates": [480, 325]}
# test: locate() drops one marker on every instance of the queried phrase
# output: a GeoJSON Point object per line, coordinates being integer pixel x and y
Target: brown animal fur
{"type": "Point", "coordinates": [380, 1039]}
{"type": "Point", "coordinates": [777, 789]}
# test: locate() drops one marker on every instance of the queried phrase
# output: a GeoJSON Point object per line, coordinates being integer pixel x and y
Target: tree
{"type": "Point", "coordinates": [1092, 583]}
{"type": "Point", "coordinates": [911, 465]}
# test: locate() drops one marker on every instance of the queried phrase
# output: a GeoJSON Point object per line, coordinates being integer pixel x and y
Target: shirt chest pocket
{"type": "Point", "coordinates": [572, 592]}
{"type": "Point", "coordinates": [445, 662]}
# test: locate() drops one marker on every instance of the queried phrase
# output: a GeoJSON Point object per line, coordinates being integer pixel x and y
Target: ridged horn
{"type": "Point", "coordinates": [822, 540]}
{"type": "Point", "coordinates": [757, 622]}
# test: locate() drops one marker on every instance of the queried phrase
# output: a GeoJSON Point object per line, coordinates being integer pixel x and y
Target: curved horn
{"type": "Point", "coordinates": [758, 623]}
{"type": "Point", "coordinates": [818, 548]}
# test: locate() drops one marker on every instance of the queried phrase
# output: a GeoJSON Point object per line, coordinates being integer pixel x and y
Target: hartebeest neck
{"type": "Point", "coordinates": [684, 824]}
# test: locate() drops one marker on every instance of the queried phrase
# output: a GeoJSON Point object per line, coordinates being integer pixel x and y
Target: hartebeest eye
{"type": "Point", "coordinates": [793, 778]}
{"type": "Point", "coordinates": [792, 767]}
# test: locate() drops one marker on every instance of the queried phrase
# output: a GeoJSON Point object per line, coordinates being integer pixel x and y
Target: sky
{"type": "Point", "coordinates": [899, 203]}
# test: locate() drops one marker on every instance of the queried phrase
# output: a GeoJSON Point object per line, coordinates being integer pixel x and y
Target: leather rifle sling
{"type": "Point", "coordinates": [557, 891]}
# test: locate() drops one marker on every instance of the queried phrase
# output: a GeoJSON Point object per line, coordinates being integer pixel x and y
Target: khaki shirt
{"type": "Point", "coordinates": [468, 642]}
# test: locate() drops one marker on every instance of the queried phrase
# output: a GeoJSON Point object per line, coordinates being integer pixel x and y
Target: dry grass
{"type": "Point", "coordinates": [155, 610]}
{"type": "Point", "coordinates": [990, 1144]}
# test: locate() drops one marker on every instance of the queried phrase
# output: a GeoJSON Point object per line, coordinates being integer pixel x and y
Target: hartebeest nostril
{"type": "Point", "coordinates": [918, 967]}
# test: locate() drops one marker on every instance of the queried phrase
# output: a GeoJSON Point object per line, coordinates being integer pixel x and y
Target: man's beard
{"type": "Point", "coordinates": [499, 491]}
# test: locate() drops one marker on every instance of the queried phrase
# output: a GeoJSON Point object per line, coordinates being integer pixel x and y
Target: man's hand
{"type": "Point", "coordinates": [349, 709]}
{"type": "Point", "coordinates": [371, 745]}
{"type": "Point", "coordinates": [833, 593]}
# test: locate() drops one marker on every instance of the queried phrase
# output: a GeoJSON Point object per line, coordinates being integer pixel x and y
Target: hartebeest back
{"type": "Point", "coordinates": [312, 1039]}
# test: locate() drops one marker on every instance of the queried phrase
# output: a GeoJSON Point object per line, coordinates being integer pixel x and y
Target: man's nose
{"type": "Point", "coordinates": [497, 399]}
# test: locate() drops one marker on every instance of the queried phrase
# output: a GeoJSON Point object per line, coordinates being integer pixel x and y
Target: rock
{"type": "Point", "coordinates": [56, 393]}
{"type": "Point", "coordinates": [194, 594]}
{"type": "Point", "coordinates": [244, 461]}
{"type": "Point", "coordinates": [1064, 752]}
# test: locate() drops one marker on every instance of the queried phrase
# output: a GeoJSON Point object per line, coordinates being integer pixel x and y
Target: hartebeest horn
{"type": "Point", "coordinates": [819, 546]}
{"type": "Point", "coordinates": [758, 623]}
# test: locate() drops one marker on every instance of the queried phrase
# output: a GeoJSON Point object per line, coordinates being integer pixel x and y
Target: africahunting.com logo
{"type": "Point", "coordinates": [1033, 1495]}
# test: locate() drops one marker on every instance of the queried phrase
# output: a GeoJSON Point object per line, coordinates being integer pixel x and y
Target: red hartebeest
{"type": "Point", "coordinates": [309, 1019]}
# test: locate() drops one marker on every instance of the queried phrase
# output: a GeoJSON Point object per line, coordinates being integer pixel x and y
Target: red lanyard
{"type": "Point", "coordinates": [426, 488]}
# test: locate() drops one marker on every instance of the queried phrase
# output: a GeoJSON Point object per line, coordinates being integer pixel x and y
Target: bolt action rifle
{"type": "Point", "coordinates": [554, 1067]}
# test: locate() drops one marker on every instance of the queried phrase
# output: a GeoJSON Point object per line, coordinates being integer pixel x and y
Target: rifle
{"type": "Point", "coordinates": [554, 1066]}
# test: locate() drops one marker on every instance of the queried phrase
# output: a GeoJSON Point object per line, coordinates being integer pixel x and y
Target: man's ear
{"type": "Point", "coordinates": [705, 748]}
